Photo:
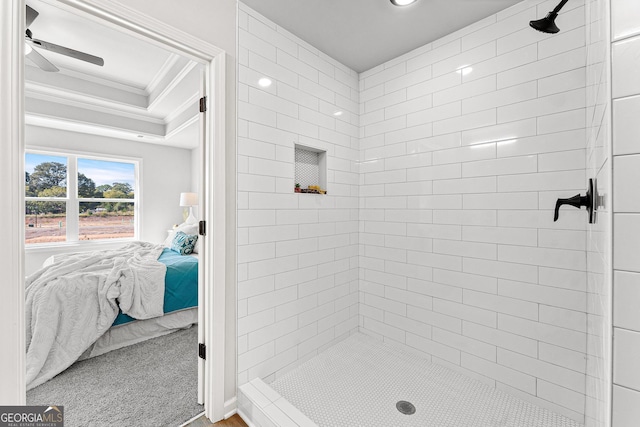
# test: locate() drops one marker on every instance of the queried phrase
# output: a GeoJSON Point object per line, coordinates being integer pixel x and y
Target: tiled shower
{"type": "Point", "coordinates": [466, 146]}
{"type": "Point", "coordinates": [436, 235]}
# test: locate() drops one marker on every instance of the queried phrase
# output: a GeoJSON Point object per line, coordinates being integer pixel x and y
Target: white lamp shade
{"type": "Point", "coordinates": [188, 199]}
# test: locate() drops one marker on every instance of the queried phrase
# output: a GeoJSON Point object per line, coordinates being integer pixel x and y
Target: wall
{"type": "Point", "coordinates": [466, 143]}
{"type": "Point", "coordinates": [297, 253]}
{"type": "Point", "coordinates": [160, 191]}
{"type": "Point", "coordinates": [598, 163]}
{"type": "Point", "coordinates": [625, 50]}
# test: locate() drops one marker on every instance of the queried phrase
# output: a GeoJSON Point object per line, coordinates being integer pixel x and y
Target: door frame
{"type": "Point", "coordinates": [12, 146]}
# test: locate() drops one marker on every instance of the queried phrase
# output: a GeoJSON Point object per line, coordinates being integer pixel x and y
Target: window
{"type": "Point", "coordinates": [69, 198]}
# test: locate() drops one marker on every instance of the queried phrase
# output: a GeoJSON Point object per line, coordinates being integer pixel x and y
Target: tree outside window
{"type": "Point", "coordinates": [96, 203]}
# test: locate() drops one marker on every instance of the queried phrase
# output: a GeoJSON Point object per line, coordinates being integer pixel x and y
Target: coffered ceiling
{"type": "Point", "coordinates": [142, 92]}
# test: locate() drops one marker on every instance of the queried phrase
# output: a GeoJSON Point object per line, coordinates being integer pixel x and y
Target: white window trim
{"type": "Point", "coordinates": [72, 200]}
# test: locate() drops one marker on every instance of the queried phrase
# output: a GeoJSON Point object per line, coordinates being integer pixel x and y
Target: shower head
{"type": "Point", "coordinates": [548, 24]}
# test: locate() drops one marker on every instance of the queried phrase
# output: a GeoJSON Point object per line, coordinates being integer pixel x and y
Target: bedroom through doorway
{"type": "Point", "coordinates": [115, 188]}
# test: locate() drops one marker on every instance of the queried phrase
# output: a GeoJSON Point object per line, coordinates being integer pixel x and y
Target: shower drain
{"type": "Point", "coordinates": [405, 407]}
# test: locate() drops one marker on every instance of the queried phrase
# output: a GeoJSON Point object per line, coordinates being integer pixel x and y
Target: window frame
{"type": "Point", "coordinates": [72, 201]}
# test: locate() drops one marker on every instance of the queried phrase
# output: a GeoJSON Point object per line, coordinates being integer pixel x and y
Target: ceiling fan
{"type": "Point", "coordinates": [40, 60]}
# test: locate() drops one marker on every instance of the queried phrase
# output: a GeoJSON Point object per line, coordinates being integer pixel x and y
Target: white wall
{"type": "Point", "coordinates": [297, 253]}
{"type": "Point", "coordinates": [160, 189]}
{"type": "Point", "coordinates": [460, 257]}
{"type": "Point", "coordinates": [213, 22]}
{"type": "Point", "coordinates": [625, 51]}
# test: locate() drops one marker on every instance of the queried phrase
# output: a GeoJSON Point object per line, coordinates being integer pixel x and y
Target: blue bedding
{"type": "Point", "coordinates": [180, 284]}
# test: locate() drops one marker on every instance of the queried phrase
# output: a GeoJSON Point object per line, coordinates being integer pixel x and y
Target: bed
{"type": "Point", "coordinates": [180, 308]}
{"type": "Point", "coordinates": [82, 305]}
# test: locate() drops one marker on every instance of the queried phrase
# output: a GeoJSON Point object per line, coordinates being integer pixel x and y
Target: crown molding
{"type": "Point", "coordinates": [84, 109]}
{"type": "Point", "coordinates": [120, 85]}
{"type": "Point", "coordinates": [162, 72]}
{"type": "Point", "coordinates": [185, 125]}
{"type": "Point", "coordinates": [71, 115]}
{"type": "Point", "coordinates": [171, 83]}
{"type": "Point", "coordinates": [186, 117]}
{"type": "Point", "coordinates": [90, 129]}
{"type": "Point", "coordinates": [81, 103]}
{"type": "Point", "coordinates": [97, 130]}
{"type": "Point", "coordinates": [100, 95]}
{"type": "Point", "coordinates": [189, 103]}
{"type": "Point", "coordinates": [80, 114]}
{"type": "Point", "coordinates": [38, 91]}
{"type": "Point", "coordinates": [79, 86]}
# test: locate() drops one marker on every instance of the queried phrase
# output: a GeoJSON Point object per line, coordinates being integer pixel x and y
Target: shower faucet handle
{"type": "Point", "coordinates": [578, 201]}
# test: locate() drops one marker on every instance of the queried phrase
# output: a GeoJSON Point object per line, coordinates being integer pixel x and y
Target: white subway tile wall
{"type": "Point", "coordinates": [465, 145]}
{"type": "Point", "coordinates": [297, 253]}
{"type": "Point", "coordinates": [625, 49]}
{"type": "Point", "coordinates": [437, 233]}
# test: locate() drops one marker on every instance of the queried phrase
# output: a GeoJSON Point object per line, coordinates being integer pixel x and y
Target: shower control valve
{"type": "Point", "coordinates": [578, 201]}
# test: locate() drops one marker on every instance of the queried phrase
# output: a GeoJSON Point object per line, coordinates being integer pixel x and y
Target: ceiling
{"type": "Point", "coordinates": [364, 33]}
{"type": "Point", "coordinates": [149, 94]}
{"type": "Point", "coordinates": [142, 92]}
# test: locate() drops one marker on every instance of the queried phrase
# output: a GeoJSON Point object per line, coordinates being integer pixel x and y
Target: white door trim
{"type": "Point", "coordinates": [12, 321]}
{"type": "Point", "coordinates": [123, 18]}
{"type": "Point", "coordinates": [215, 196]}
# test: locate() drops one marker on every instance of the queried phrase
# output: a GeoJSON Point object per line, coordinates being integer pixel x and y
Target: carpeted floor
{"type": "Point", "coordinates": [153, 383]}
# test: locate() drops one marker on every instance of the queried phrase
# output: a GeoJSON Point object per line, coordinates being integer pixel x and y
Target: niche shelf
{"type": "Point", "coordinates": [310, 167]}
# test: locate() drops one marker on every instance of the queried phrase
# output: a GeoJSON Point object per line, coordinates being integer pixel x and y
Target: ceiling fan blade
{"type": "Point", "coordinates": [32, 14]}
{"type": "Point", "coordinates": [41, 61]}
{"type": "Point", "coordinates": [52, 47]}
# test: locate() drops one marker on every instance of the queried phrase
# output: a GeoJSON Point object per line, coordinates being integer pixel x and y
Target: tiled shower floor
{"type": "Point", "coordinates": [358, 382]}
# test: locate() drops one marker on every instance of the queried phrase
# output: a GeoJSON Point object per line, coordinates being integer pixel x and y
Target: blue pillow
{"type": "Point", "coordinates": [184, 243]}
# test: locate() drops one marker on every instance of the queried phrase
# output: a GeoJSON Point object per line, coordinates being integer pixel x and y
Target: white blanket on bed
{"type": "Point", "coordinates": [72, 302]}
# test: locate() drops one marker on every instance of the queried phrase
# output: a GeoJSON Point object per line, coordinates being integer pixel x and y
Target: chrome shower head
{"type": "Point", "coordinates": [548, 24]}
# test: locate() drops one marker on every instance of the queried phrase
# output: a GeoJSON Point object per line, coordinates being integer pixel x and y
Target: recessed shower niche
{"type": "Point", "coordinates": [310, 170]}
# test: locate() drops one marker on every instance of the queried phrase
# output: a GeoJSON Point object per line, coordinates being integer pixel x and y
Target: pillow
{"type": "Point", "coordinates": [186, 229]}
{"type": "Point", "coordinates": [184, 243]}
{"type": "Point", "coordinates": [190, 229]}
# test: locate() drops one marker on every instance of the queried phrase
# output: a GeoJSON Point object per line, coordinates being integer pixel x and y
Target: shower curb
{"type": "Point", "coordinates": [261, 406]}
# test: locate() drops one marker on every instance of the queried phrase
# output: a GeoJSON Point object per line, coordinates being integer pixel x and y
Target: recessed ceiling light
{"type": "Point", "coordinates": [27, 48]}
{"type": "Point", "coordinates": [402, 2]}
{"type": "Point", "coordinates": [337, 113]}
{"type": "Point", "coordinates": [264, 82]}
